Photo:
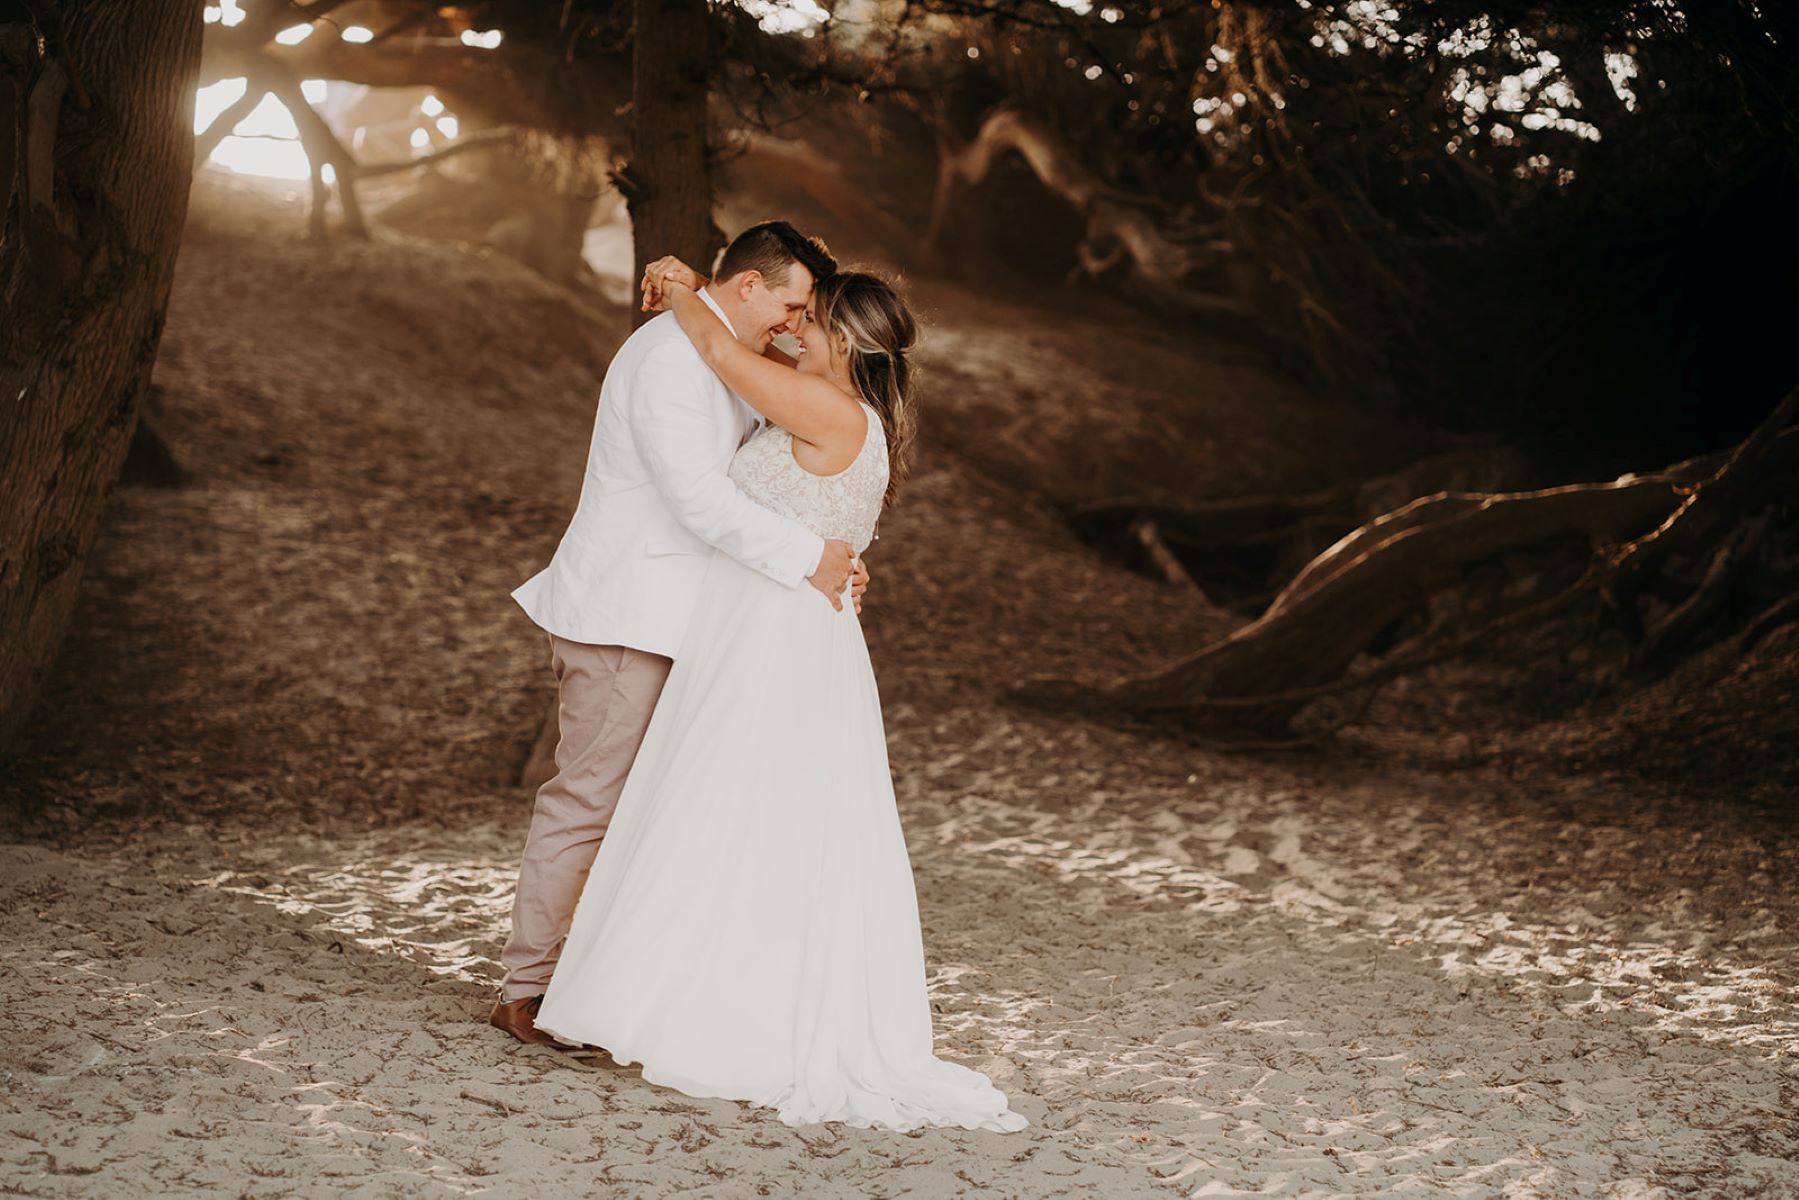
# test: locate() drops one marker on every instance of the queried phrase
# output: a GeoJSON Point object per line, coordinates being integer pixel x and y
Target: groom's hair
{"type": "Point", "coordinates": [772, 248]}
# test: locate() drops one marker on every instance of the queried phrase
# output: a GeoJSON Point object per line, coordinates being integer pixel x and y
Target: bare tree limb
{"type": "Point", "coordinates": [485, 139]}
{"type": "Point", "coordinates": [208, 140]}
{"type": "Point", "coordinates": [322, 146]}
{"type": "Point", "coordinates": [1116, 224]}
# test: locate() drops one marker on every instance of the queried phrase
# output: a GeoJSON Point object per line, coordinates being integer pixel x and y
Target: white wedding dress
{"type": "Point", "coordinates": [750, 929]}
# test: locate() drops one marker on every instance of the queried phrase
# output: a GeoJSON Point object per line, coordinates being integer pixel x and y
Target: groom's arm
{"type": "Point", "coordinates": [674, 418]}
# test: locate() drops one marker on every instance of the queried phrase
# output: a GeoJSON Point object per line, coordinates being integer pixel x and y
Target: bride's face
{"type": "Point", "coordinates": [820, 353]}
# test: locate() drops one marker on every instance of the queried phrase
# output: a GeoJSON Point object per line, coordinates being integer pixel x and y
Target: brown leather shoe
{"type": "Point", "coordinates": [519, 1018]}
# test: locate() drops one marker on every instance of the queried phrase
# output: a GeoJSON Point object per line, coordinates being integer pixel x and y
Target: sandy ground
{"type": "Point", "coordinates": [266, 830]}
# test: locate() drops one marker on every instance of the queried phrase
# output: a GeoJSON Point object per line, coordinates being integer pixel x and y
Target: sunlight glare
{"type": "Point", "coordinates": [269, 118]}
{"type": "Point", "coordinates": [786, 16]}
{"type": "Point", "coordinates": [273, 158]}
{"type": "Point", "coordinates": [488, 39]}
{"type": "Point", "coordinates": [1621, 69]}
{"type": "Point", "coordinates": [264, 143]}
{"type": "Point", "coordinates": [215, 98]}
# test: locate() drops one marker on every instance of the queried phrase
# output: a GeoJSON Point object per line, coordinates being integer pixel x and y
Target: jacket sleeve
{"type": "Point", "coordinates": [674, 413]}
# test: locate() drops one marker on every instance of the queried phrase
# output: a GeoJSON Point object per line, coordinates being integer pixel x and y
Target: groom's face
{"type": "Point", "coordinates": [771, 308]}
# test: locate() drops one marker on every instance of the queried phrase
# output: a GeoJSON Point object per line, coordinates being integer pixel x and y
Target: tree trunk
{"type": "Point", "coordinates": [86, 261]}
{"type": "Point", "coordinates": [667, 184]}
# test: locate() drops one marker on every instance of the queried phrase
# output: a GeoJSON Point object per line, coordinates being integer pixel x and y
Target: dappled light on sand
{"type": "Point", "coordinates": [1203, 984]}
{"type": "Point", "coordinates": [265, 965]}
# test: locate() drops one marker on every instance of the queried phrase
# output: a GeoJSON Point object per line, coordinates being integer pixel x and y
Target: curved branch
{"type": "Point", "coordinates": [208, 140]}
{"type": "Point", "coordinates": [1115, 222]}
{"type": "Point", "coordinates": [483, 140]}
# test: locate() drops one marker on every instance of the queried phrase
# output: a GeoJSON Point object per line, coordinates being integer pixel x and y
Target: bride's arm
{"type": "Point", "coordinates": [811, 408]}
{"type": "Point", "coordinates": [658, 272]}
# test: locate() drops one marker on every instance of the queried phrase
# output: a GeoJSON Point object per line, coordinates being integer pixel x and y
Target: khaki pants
{"type": "Point", "coordinates": [605, 697]}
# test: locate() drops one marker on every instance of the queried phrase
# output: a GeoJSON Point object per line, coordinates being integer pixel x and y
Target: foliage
{"type": "Point", "coordinates": [1448, 199]}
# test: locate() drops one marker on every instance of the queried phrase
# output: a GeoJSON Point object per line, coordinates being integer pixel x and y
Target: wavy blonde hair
{"type": "Point", "coordinates": [881, 331]}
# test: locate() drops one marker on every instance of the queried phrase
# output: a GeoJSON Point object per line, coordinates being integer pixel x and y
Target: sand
{"type": "Point", "coordinates": [250, 918]}
{"type": "Point", "coordinates": [1277, 986]}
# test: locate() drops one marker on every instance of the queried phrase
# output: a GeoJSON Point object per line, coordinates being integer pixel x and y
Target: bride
{"type": "Point", "coordinates": [750, 927]}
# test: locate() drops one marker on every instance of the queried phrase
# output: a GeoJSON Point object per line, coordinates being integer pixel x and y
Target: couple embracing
{"type": "Point", "coordinates": [715, 884]}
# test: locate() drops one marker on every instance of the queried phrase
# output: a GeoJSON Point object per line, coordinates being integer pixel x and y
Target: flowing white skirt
{"type": "Point", "coordinates": [750, 927]}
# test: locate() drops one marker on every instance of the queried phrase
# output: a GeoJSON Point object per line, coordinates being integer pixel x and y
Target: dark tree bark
{"type": "Point", "coordinates": [668, 184]}
{"type": "Point", "coordinates": [105, 139]}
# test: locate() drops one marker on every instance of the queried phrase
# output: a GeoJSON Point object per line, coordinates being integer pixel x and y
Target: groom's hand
{"type": "Point", "coordinates": [858, 584]}
{"type": "Point", "coordinates": [833, 571]}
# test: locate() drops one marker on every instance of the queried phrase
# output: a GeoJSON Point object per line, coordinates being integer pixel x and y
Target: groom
{"type": "Point", "coordinates": [616, 597]}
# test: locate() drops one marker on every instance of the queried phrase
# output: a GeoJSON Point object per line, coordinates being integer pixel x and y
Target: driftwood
{"type": "Point", "coordinates": [1257, 679]}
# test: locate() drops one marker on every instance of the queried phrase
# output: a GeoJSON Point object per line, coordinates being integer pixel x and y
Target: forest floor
{"type": "Point", "coordinates": [265, 831]}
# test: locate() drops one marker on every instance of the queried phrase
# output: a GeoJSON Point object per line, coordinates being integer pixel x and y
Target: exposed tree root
{"type": "Point", "coordinates": [1257, 679]}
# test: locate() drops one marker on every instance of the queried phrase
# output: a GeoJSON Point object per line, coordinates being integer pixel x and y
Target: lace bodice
{"type": "Point", "coordinates": [844, 506]}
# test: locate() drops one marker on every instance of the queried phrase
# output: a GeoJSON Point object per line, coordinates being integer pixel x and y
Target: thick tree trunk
{"type": "Point", "coordinates": [668, 185]}
{"type": "Point", "coordinates": [85, 267]}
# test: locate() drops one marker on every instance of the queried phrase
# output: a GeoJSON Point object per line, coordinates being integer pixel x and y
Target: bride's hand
{"type": "Point", "coordinates": [666, 273]}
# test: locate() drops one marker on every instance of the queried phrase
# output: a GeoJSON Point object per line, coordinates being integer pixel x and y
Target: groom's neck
{"type": "Point", "coordinates": [729, 304]}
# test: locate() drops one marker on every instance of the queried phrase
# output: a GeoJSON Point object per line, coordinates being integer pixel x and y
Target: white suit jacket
{"type": "Point", "coordinates": [655, 502]}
